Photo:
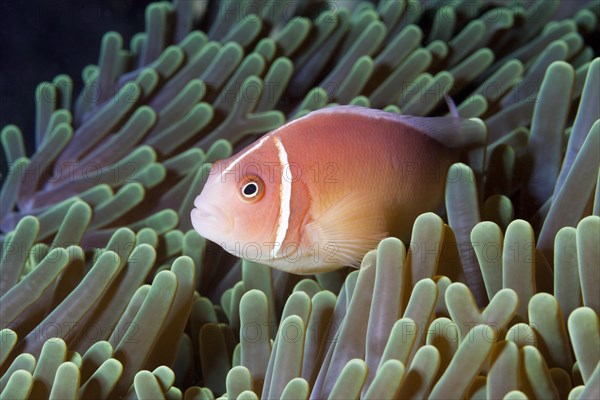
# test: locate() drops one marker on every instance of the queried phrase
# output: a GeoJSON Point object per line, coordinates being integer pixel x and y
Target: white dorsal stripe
{"type": "Point", "coordinates": [285, 197]}
{"type": "Point", "coordinates": [258, 144]}
{"type": "Point", "coordinates": [244, 154]}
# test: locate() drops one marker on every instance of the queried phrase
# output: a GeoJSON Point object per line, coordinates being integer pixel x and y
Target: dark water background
{"type": "Point", "coordinates": [40, 39]}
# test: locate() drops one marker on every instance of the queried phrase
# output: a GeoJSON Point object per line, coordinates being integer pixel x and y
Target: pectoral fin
{"type": "Point", "coordinates": [345, 231]}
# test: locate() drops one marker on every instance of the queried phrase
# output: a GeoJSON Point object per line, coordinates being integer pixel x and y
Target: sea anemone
{"type": "Point", "coordinates": [107, 292]}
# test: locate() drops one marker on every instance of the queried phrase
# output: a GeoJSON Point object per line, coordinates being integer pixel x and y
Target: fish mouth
{"type": "Point", "coordinates": [207, 219]}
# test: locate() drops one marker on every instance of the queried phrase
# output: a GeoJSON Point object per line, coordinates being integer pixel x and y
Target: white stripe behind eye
{"type": "Point", "coordinates": [241, 156]}
{"type": "Point", "coordinates": [286, 198]}
{"type": "Point", "coordinates": [259, 143]}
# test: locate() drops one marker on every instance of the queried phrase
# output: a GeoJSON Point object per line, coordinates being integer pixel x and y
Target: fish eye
{"type": "Point", "coordinates": [252, 189]}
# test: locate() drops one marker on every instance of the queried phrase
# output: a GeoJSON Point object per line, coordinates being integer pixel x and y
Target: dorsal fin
{"type": "Point", "coordinates": [452, 132]}
{"type": "Point", "coordinates": [451, 106]}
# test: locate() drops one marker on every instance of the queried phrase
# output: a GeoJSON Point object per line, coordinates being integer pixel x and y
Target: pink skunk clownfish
{"type": "Point", "coordinates": [319, 192]}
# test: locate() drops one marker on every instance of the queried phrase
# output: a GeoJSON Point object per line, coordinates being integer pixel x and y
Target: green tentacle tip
{"type": "Point", "coordinates": [219, 150]}
{"type": "Point", "coordinates": [147, 386]}
{"type": "Point", "coordinates": [148, 80]}
{"type": "Point", "coordinates": [247, 395]}
{"type": "Point", "coordinates": [362, 101]}
{"type": "Point", "coordinates": [64, 83]}
{"type": "Point", "coordinates": [297, 388]}
{"type": "Point", "coordinates": [245, 31]}
{"type": "Point", "coordinates": [151, 175]}
{"type": "Point", "coordinates": [293, 35]}
{"type": "Point", "coordinates": [351, 380]}
{"type": "Point", "coordinates": [27, 229]}
{"type": "Point", "coordinates": [111, 39]}
{"type": "Point", "coordinates": [161, 222]}
{"type": "Point", "coordinates": [147, 236]}
{"type": "Point", "coordinates": [8, 339]}
{"type": "Point", "coordinates": [388, 379]}
{"type": "Point", "coordinates": [584, 329]}
{"type": "Point", "coordinates": [12, 143]}
{"type": "Point", "coordinates": [169, 61]}
{"type": "Point", "coordinates": [515, 395]}
{"type": "Point", "coordinates": [19, 386]}
{"type": "Point", "coordinates": [316, 98]}
{"type": "Point", "coordinates": [74, 225]}
{"type": "Point", "coordinates": [66, 382]}
{"type": "Point", "coordinates": [238, 381]}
